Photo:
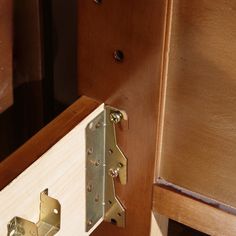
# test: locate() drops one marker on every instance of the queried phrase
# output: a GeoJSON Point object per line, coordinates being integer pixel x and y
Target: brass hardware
{"type": "Point", "coordinates": [116, 116]}
{"type": "Point", "coordinates": [102, 165]}
{"type": "Point", "coordinates": [48, 224]}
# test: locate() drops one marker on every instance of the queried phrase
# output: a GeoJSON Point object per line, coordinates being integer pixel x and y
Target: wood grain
{"type": "Point", "coordinates": [61, 170]}
{"type": "Point", "coordinates": [6, 49]}
{"type": "Point", "coordinates": [198, 147]}
{"type": "Point", "coordinates": [193, 213]}
{"type": "Point", "coordinates": [28, 153]}
{"type": "Point", "coordinates": [136, 28]}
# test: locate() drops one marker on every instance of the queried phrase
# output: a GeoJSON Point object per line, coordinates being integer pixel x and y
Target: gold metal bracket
{"type": "Point", "coordinates": [48, 224]}
{"type": "Point", "coordinates": [104, 162]}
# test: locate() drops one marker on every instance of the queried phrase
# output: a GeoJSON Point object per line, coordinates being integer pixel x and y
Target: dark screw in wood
{"type": "Point", "coordinates": [118, 55]}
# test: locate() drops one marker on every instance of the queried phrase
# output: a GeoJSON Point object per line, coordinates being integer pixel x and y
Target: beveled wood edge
{"type": "Point", "coordinates": [163, 85]}
{"type": "Point", "coordinates": [192, 212]}
{"type": "Point", "coordinates": [35, 147]}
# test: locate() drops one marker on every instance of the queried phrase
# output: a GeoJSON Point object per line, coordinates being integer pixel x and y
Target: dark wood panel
{"type": "Point", "coordinates": [136, 28]}
{"type": "Point", "coordinates": [27, 41]}
{"type": "Point", "coordinates": [199, 137]}
{"type": "Point", "coordinates": [17, 162]}
{"type": "Point", "coordinates": [6, 50]}
{"type": "Point", "coordinates": [192, 212]}
{"type": "Point", "coordinates": [23, 119]}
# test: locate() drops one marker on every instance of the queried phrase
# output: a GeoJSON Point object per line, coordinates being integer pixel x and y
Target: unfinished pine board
{"type": "Point", "coordinates": [6, 65]}
{"type": "Point", "coordinates": [159, 225]}
{"type": "Point", "coordinates": [193, 213]}
{"type": "Point", "coordinates": [62, 170]}
{"type": "Point", "coordinates": [198, 145]}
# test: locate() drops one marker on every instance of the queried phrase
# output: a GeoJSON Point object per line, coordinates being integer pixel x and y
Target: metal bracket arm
{"type": "Point", "coordinates": [104, 162]}
{"type": "Point", "coordinates": [48, 224]}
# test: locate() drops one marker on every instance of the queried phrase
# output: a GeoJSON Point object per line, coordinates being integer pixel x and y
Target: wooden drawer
{"type": "Point", "coordinates": [57, 154]}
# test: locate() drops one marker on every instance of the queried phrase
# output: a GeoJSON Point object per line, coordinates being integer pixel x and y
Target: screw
{"type": "Point", "coordinates": [114, 173]}
{"type": "Point", "coordinates": [118, 55]}
{"type": "Point", "coordinates": [116, 117]}
{"type": "Point", "coordinates": [98, 125]}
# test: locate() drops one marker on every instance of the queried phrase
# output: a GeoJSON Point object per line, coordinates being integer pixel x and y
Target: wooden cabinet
{"type": "Point", "coordinates": [170, 66]}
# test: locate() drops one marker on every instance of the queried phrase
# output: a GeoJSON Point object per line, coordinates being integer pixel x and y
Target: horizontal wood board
{"type": "Point", "coordinates": [193, 213]}
{"type": "Point", "coordinates": [61, 170]}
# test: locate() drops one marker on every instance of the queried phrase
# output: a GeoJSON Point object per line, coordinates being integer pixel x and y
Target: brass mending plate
{"type": "Point", "coordinates": [104, 162]}
{"type": "Point", "coordinates": [48, 224]}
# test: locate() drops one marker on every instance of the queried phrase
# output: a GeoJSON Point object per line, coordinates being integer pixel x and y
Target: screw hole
{"type": "Point", "coordinates": [97, 198]}
{"type": "Point", "coordinates": [110, 151]}
{"type": "Point", "coordinates": [90, 151]}
{"type": "Point", "coordinates": [110, 202]}
{"type": "Point", "coordinates": [118, 55]}
{"type": "Point", "coordinates": [113, 221]}
{"type": "Point", "coordinates": [89, 188]}
{"type": "Point", "coordinates": [98, 125]}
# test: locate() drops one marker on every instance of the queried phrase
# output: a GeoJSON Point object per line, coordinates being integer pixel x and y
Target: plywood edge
{"type": "Point", "coordinates": [28, 153]}
{"type": "Point", "coordinates": [192, 212]}
{"type": "Point", "coordinates": [163, 85]}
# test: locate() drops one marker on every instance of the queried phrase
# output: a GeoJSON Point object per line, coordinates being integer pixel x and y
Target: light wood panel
{"type": "Point", "coordinates": [199, 136]}
{"type": "Point", "coordinates": [193, 213]}
{"type": "Point", "coordinates": [6, 49]}
{"type": "Point", "coordinates": [159, 225]}
{"type": "Point", "coordinates": [137, 29]}
{"type": "Point", "coordinates": [28, 153]}
{"type": "Point", "coordinates": [61, 169]}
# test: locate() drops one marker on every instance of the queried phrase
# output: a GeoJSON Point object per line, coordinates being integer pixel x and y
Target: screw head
{"type": "Point", "coordinates": [114, 173]}
{"type": "Point", "coordinates": [118, 55]}
{"type": "Point", "coordinates": [116, 117]}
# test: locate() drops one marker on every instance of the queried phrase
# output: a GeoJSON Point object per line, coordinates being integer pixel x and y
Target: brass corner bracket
{"type": "Point", "coordinates": [48, 224]}
{"type": "Point", "coordinates": [104, 162]}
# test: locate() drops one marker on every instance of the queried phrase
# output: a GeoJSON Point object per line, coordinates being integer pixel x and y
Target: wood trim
{"type": "Point", "coordinates": [131, 85]}
{"type": "Point", "coordinates": [194, 213]}
{"type": "Point", "coordinates": [28, 153]}
{"type": "Point", "coordinates": [163, 86]}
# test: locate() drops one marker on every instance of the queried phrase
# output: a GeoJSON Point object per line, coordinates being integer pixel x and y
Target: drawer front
{"type": "Point", "coordinates": [61, 170]}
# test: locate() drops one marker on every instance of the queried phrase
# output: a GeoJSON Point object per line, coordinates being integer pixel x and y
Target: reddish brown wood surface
{"type": "Point", "coordinates": [6, 94]}
{"type": "Point", "coordinates": [194, 213]}
{"type": "Point", "coordinates": [16, 163]}
{"type": "Point", "coordinates": [136, 28]}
